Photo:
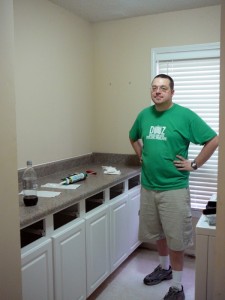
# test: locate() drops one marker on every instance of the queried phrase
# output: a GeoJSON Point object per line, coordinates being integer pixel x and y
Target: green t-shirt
{"type": "Point", "coordinates": [165, 135]}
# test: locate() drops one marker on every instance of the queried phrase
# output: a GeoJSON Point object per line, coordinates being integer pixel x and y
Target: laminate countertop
{"type": "Point", "coordinates": [93, 184]}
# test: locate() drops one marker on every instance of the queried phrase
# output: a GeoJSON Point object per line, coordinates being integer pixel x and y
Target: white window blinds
{"type": "Point", "coordinates": [196, 74]}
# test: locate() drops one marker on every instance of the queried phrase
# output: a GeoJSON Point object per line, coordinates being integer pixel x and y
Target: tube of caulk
{"type": "Point", "coordinates": [74, 178]}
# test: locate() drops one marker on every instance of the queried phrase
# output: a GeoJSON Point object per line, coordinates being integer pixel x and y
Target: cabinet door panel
{"type": "Point", "coordinates": [201, 267]}
{"type": "Point", "coordinates": [69, 262]}
{"type": "Point", "coordinates": [97, 248]}
{"type": "Point", "coordinates": [119, 231]}
{"type": "Point", "coordinates": [134, 207]}
{"type": "Point", "coordinates": [37, 273]}
{"type": "Point", "coordinates": [211, 272]}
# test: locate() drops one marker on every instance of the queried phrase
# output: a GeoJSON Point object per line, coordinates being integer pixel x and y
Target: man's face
{"type": "Point", "coordinates": [161, 92]}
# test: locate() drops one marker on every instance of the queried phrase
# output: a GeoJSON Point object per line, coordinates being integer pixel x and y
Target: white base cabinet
{"type": "Point", "coordinates": [204, 267]}
{"type": "Point", "coordinates": [77, 255]}
{"type": "Point", "coordinates": [70, 261]}
{"type": "Point", "coordinates": [37, 272]}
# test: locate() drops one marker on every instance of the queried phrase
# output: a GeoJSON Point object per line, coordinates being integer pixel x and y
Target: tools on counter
{"type": "Point", "coordinates": [77, 177]}
{"type": "Point", "coordinates": [83, 175]}
{"type": "Point", "coordinates": [73, 178]}
{"type": "Point", "coordinates": [210, 210]}
{"type": "Point", "coordinates": [91, 172]}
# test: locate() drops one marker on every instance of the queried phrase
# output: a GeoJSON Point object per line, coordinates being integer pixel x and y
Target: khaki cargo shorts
{"type": "Point", "coordinates": [166, 214]}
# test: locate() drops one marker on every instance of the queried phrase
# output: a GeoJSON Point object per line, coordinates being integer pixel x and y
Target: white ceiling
{"type": "Point", "coordinates": [106, 10]}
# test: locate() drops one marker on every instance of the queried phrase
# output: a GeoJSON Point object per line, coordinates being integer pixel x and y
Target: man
{"type": "Point", "coordinates": [160, 136]}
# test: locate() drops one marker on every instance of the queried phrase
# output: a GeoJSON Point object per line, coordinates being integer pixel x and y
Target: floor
{"type": "Point", "coordinates": [126, 283]}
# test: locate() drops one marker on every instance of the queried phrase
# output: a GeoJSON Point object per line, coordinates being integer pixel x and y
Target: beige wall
{"type": "Point", "coordinates": [10, 278]}
{"type": "Point", "coordinates": [53, 75]}
{"type": "Point", "coordinates": [62, 109]}
{"type": "Point", "coordinates": [123, 66]}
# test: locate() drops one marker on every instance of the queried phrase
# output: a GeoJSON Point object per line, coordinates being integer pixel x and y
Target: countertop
{"type": "Point", "coordinates": [127, 164]}
{"type": "Point", "coordinates": [204, 228]}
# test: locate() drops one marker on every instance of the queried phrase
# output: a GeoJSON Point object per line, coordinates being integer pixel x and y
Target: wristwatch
{"type": "Point", "coordinates": [194, 165]}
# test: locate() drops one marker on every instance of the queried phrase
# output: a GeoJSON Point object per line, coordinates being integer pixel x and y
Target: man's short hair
{"type": "Point", "coordinates": [166, 77]}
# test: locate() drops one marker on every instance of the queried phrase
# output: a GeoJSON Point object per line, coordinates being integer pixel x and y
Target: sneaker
{"type": "Point", "coordinates": [175, 294]}
{"type": "Point", "coordinates": [158, 275]}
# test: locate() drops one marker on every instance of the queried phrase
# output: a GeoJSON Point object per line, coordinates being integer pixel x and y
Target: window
{"type": "Point", "coordinates": [196, 73]}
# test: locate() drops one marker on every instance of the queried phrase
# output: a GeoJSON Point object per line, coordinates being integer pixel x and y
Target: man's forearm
{"type": "Point", "coordinates": [137, 147]}
{"type": "Point", "coordinates": [207, 151]}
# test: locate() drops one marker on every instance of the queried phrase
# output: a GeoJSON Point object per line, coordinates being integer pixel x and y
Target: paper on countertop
{"type": "Point", "coordinates": [61, 186]}
{"type": "Point", "coordinates": [46, 194]}
{"type": "Point", "coordinates": [110, 170]}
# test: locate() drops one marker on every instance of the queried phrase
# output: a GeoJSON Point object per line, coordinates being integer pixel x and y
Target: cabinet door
{"type": "Point", "coordinates": [37, 273]}
{"type": "Point", "coordinates": [134, 207]}
{"type": "Point", "coordinates": [201, 267]}
{"type": "Point", "coordinates": [69, 261]}
{"type": "Point", "coordinates": [97, 247]}
{"type": "Point", "coordinates": [210, 262]}
{"type": "Point", "coordinates": [119, 231]}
